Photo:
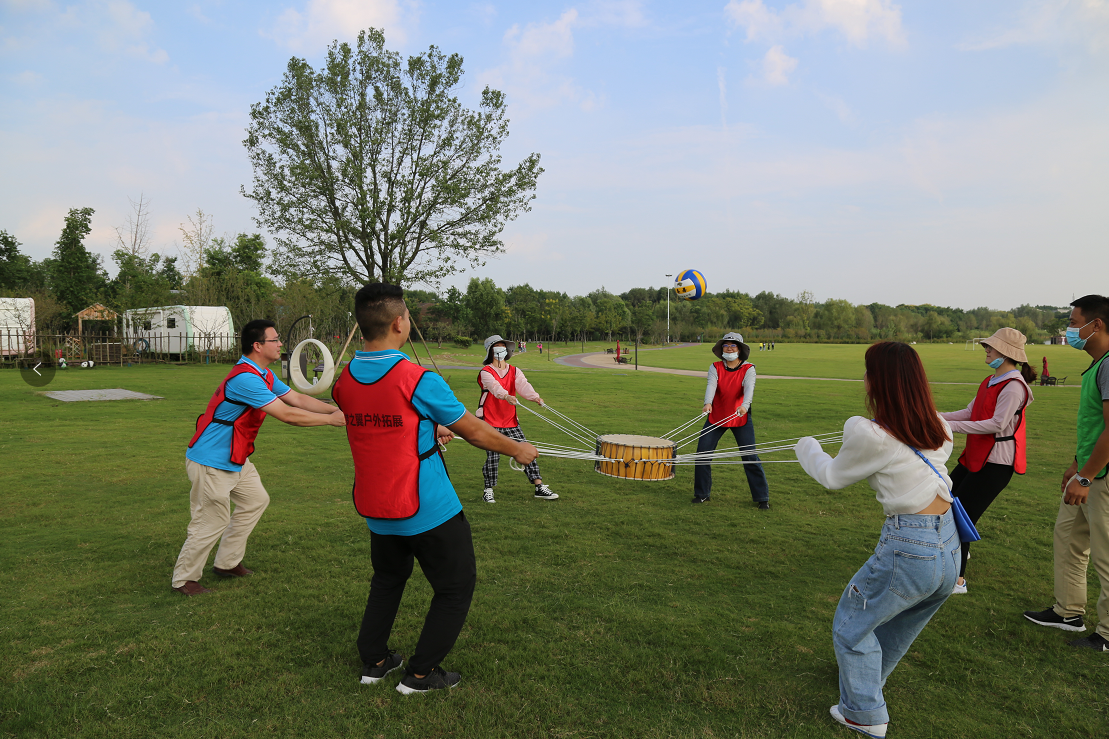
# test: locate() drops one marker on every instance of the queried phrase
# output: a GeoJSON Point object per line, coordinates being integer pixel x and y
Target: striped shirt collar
{"type": "Point", "coordinates": [1010, 375]}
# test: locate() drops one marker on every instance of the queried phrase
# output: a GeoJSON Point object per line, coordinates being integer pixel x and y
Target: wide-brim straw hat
{"type": "Point", "coordinates": [1008, 342]}
{"type": "Point", "coordinates": [732, 338]}
{"type": "Point", "coordinates": [490, 342]}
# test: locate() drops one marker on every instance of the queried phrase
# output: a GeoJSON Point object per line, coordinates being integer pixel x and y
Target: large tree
{"type": "Point", "coordinates": [76, 276]}
{"type": "Point", "coordinates": [371, 167]}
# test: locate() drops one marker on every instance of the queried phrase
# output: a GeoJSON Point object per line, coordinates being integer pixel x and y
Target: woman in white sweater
{"type": "Point", "coordinates": [901, 453]}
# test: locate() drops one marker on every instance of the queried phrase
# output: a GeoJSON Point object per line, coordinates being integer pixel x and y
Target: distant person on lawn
{"type": "Point", "coordinates": [1082, 526]}
{"type": "Point", "coordinates": [396, 412]}
{"type": "Point", "coordinates": [218, 458]}
{"type": "Point", "coordinates": [901, 452]}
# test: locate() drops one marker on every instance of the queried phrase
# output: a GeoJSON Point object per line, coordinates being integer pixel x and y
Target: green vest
{"type": "Point", "coordinates": [1091, 416]}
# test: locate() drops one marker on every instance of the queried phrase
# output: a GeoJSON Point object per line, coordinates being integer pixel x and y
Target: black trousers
{"type": "Point", "coordinates": [976, 490]}
{"type": "Point", "coordinates": [446, 555]}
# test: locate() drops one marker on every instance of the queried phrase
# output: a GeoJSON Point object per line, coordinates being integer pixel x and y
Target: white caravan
{"type": "Point", "coordinates": [176, 329]}
{"type": "Point", "coordinates": [17, 326]}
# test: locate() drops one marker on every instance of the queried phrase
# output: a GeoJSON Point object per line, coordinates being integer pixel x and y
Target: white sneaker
{"type": "Point", "coordinates": [876, 731]}
{"type": "Point", "coordinates": [959, 589]}
{"type": "Point", "coordinates": [543, 492]}
{"type": "Point", "coordinates": [487, 496]}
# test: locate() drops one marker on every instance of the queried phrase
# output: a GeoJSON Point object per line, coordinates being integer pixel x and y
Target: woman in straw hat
{"type": "Point", "coordinates": [995, 429]}
{"type": "Point", "coordinates": [728, 396]}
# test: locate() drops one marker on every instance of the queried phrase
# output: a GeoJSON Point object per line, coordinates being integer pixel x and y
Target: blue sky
{"type": "Point", "coordinates": [946, 152]}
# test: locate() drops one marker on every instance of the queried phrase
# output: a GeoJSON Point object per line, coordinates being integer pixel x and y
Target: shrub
{"type": "Point", "coordinates": [463, 342]}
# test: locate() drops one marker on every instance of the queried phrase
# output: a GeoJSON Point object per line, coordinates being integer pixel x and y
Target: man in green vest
{"type": "Point", "coordinates": [1082, 527]}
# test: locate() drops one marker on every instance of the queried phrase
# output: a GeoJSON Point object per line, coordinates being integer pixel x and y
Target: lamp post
{"type": "Point", "coordinates": [668, 307]}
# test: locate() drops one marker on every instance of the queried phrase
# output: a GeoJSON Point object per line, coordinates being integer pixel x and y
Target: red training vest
{"type": "Point", "coordinates": [729, 395]}
{"type": "Point", "coordinates": [979, 446]}
{"type": "Point", "coordinates": [244, 429]}
{"type": "Point", "coordinates": [491, 409]}
{"type": "Point", "coordinates": [383, 430]}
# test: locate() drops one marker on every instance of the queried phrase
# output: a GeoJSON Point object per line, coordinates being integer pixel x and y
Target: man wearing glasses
{"type": "Point", "coordinates": [218, 458]}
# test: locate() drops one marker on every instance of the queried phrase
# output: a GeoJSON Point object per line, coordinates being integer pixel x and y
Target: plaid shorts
{"type": "Point", "coordinates": [492, 460]}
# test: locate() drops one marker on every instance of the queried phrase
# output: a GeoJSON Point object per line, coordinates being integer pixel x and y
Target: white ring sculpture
{"type": "Point", "coordinates": [299, 381]}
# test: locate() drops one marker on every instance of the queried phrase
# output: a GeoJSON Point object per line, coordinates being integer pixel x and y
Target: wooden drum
{"type": "Point", "coordinates": [636, 457]}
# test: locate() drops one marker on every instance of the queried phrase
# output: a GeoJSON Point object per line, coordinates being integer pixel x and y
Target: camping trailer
{"type": "Point", "coordinates": [176, 329]}
{"type": "Point", "coordinates": [17, 326]}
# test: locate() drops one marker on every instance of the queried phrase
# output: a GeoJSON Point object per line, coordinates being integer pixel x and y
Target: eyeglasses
{"type": "Point", "coordinates": [268, 341]}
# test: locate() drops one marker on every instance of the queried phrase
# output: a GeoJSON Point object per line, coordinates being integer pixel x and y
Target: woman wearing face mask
{"type": "Point", "coordinates": [500, 384]}
{"type": "Point", "coordinates": [728, 396]}
{"type": "Point", "coordinates": [995, 429]}
{"type": "Point", "coordinates": [901, 453]}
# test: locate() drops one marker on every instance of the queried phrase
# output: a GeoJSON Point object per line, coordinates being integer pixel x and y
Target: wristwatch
{"type": "Point", "coordinates": [1083, 481]}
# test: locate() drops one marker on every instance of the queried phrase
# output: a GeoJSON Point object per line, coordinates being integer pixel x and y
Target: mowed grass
{"type": "Point", "coordinates": [944, 362]}
{"type": "Point", "coordinates": [618, 611]}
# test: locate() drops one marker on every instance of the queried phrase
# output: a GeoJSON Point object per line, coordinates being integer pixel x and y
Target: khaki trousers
{"type": "Point", "coordinates": [213, 491]}
{"type": "Point", "coordinates": [1082, 536]}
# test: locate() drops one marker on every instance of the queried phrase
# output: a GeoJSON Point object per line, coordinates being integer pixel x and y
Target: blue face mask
{"type": "Point", "coordinates": [1073, 338]}
{"type": "Point", "coordinates": [996, 363]}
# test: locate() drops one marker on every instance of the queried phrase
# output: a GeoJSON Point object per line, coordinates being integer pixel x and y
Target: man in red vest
{"type": "Point", "coordinates": [218, 458]}
{"type": "Point", "coordinates": [397, 413]}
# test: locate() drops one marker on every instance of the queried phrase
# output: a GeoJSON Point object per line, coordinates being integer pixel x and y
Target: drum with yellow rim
{"type": "Point", "coordinates": [635, 457]}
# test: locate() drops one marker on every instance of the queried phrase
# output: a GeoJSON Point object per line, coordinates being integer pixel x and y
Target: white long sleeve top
{"type": "Point", "coordinates": [903, 483]}
{"type": "Point", "coordinates": [1004, 421]}
{"type": "Point", "coordinates": [748, 385]}
{"type": "Point", "coordinates": [523, 387]}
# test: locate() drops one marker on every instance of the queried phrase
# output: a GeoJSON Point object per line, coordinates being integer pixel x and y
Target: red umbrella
{"type": "Point", "coordinates": [1046, 373]}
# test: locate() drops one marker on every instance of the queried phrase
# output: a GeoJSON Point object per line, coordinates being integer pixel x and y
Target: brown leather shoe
{"type": "Point", "coordinates": [192, 587]}
{"type": "Point", "coordinates": [236, 571]}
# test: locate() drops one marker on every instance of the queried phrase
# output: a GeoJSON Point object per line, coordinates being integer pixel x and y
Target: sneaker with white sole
{"type": "Point", "coordinates": [1049, 617]}
{"type": "Point", "coordinates": [959, 589]}
{"type": "Point", "coordinates": [877, 731]}
{"type": "Point", "coordinates": [437, 679]}
{"type": "Point", "coordinates": [372, 673]}
{"type": "Point", "coordinates": [487, 496]}
{"type": "Point", "coordinates": [1093, 641]}
{"type": "Point", "coordinates": [545, 493]}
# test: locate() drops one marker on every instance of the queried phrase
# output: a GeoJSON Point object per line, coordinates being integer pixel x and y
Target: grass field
{"type": "Point", "coordinates": [618, 611]}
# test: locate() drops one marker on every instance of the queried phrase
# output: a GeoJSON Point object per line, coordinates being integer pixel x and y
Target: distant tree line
{"type": "Point", "coordinates": [232, 271]}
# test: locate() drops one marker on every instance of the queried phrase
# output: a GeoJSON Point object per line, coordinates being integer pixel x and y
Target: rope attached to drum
{"type": "Point", "coordinates": [652, 457]}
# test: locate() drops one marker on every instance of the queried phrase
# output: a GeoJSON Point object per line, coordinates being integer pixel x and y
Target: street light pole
{"type": "Point", "coordinates": [668, 307]}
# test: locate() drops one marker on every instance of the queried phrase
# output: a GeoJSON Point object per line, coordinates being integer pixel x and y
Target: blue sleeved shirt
{"type": "Point", "coordinates": [213, 448]}
{"type": "Point", "coordinates": [435, 400]}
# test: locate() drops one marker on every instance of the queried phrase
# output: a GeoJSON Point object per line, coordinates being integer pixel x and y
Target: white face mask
{"type": "Point", "coordinates": [731, 356]}
{"type": "Point", "coordinates": [500, 352]}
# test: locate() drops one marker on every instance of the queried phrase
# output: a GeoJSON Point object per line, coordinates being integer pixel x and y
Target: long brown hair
{"type": "Point", "coordinates": [899, 397]}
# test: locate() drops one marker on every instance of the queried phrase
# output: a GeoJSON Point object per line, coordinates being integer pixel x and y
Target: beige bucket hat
{"type": "Point", "coordinates": [1008, 342]}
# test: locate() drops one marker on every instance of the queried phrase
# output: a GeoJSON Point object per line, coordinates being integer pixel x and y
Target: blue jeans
{"type": "Point", "coordinates": [887, 603]}
{"type": "Point", "coordinates": [744, 437]}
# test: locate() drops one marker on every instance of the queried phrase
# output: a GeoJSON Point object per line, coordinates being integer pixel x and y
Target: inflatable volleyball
{"type": "Point", "coordinates": [690, 285]}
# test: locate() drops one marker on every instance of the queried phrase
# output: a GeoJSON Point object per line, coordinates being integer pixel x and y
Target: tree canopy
{"type": "Point", "coordinates": [372, 168]}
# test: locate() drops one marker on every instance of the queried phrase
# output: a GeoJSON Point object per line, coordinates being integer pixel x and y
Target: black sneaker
{"type": "Point", "coordinates": [437, 679]}
{"type": "Point", "coordinates": [700, 500]}
{"type": "Point", "coordinates": [1050, 618]}
{"type": "Point", "coordinates": [376, 673]}
{"type": "Point", "coordinates": [764, 505]}
{"type": "Point", "coordinates": [1093, 641]}
{"type": "Point", "coordinates": [545, 493]}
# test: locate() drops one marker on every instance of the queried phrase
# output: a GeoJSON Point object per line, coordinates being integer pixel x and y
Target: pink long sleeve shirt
{"type": "Point", "coordinates": [1004, 421]}
{"type": "Point", "coordinates": [523, 387]}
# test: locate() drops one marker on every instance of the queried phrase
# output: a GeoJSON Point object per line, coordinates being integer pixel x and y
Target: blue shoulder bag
{"type": "Point", "coordinates": [963, 524]}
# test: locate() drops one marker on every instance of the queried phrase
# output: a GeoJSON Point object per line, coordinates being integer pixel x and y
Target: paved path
{"type": "Point", "coordinates": [68, 396]}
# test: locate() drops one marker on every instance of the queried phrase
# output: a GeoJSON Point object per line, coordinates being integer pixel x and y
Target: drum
{"type": "Point", "coordinates": [635, 457]}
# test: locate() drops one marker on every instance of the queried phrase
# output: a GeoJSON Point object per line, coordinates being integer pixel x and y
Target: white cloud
{"type": "Point", "coordinates": [777, 67]}
{"type": "Point", "coordinates": [324, 21]}
{"type": "Point", "coordinates": [118, 27]}
{"type": "Point", "coordinates": [1060, 23]}
{"type": "Point", "coordinates": [858, 21]}
{"type": "Point", "coordinates": [543, 39]}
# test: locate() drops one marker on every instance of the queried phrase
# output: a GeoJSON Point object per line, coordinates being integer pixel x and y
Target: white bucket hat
{"type": "Point", "coordinates": [732, 338]}
{"type": "Point", "coordinates": [490, 342]}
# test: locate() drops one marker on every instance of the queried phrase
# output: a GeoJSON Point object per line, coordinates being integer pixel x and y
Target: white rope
{"type": "Point", "coordinates": [683, 427]}
{"type": "Point", "coordinates": [570, 420]}
{"type": "Point", "coordinates": [678, 444]}
{"type": "Point", "coordinates": [576, 435]}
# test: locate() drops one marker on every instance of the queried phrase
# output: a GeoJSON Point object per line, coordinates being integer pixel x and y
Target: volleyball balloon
{"type": "Point", "coordinates": [690, 285]}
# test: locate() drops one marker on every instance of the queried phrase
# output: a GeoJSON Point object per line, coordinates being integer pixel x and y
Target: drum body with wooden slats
{"type": "Point", "coordinates": [635, 457]}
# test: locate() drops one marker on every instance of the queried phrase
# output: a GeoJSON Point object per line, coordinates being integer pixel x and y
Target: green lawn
{"type": "Point", "coordinates": [618, 611]}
